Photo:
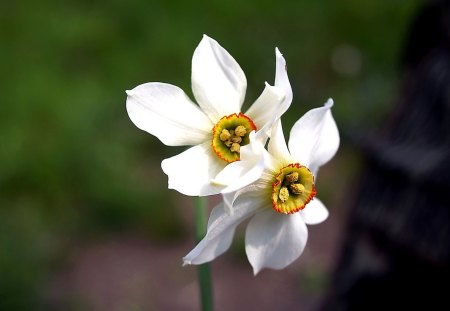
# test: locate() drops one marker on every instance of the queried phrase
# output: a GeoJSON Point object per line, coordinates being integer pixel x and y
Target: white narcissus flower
{"type": "Point", "coordinates": [216, 127]}
{"type": "Point", "coordinates": [281, 202]}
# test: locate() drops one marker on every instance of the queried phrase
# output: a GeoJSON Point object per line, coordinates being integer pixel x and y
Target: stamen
{"type": "Point", "coordinates": [235, 147]}
{"type": "Point", "coordinates": [236, 139]}
{"type": "Point", "coordinates": [292, 188]}
{"type": "Point", "coordinates": [291, 178]}
{"type": "Point", "coordinates": [240, 131]}
{"type": "Point", "coordinates": [297, 188]}
{"type": "Point", "coordinates": [225, 135]}
{"type": "Point", "coordinates": [229, 134]}
{"type": "Point", "coordinates": [284, 194]}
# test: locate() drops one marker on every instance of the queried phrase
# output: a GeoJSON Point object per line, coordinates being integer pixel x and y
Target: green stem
{"type": "Point", "coordinates": [204, 276]}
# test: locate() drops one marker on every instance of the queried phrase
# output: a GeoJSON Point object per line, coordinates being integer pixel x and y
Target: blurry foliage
{"type": "Point", "coordinates": [313, 280]}
{"type": "Point", "coordinates": [72, 165]}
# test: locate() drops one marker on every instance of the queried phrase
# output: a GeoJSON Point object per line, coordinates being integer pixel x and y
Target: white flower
{"type": "Point", "coordinates": [215, 127]}
{"type": "Point", "coordinates": [281, 202]}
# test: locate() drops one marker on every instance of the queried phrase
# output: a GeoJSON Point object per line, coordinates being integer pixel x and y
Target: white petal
{"type": "Point", "coordinates": [277, 144]}
{"type": "Point", "coordinates": [314, 212]}
{"type": "Point", "coordinates": [264, 111]}
{"type": "Point", "coordinates": [267, 107]}
{"type": "Point", "coordinates": [255, 192]}
{"type": "Point", "coordinates": [282, 81]}
{"type": "Point", "coordinates": [259, 138]}
{"type": "Point", "coordinates": [314, 138]}
{"type": "Point", "coordinates": [241, 173]}
{"type": "Point", "coordinates": [165, 111]}
{"type": "Point", "coordinates": [221, 227]}
{"type": "Point", "coordinates": [218, 82]}
{"type": "Point", "coordinates": [255, 148]}
{"type": "Point", "coordinates": [190, 172]}
{"type": "Point", "coordinates": [274, 240]}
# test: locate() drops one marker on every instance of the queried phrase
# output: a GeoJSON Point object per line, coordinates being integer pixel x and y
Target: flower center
{"type": "Point", "coordinates": [229, 134]}
{"type": "Point", "coordinates": [292, 188]}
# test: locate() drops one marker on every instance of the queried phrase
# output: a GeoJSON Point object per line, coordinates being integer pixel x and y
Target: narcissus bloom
{"type": "Point", "coordinates": [281, 201]}
{"type": "Point", "coordinates": [216, 127]}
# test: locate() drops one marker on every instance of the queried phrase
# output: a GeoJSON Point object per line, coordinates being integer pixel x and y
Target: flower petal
{"type": "Point", "coordinates": [218, 82]}
{"type": "Point", "coordinates": [273, 240]}
{"type": "Point", "coordinates": [241, 173]}
{"type": "Point", "coordinates": [221, 227]}
{"type": "Point", "coordinates": [190, 172]}
{"type": "Point", "coordinates": [314, 138]}
{"type": "Point", "coordinates": [282, 81]}
{"type": "Point", "coordinates": [166, 112]}
{"type": "Point", "coordinates": [277, 144]}
{"type": "Point", "coordinates": [314, 212]}
{"type": "Point", "coordinates": [267, 107]}
{"type": "Point", "coordinates": [264, 112]}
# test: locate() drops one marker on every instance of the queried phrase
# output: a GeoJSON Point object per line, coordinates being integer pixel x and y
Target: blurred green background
{"type": "Point", "coordinates": [72, 165]}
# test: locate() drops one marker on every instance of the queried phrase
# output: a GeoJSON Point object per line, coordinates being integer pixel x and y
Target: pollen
{"type": "Point", "coordinates": [291, 178]}
{"type": "Point", "coordinates": [240, 131]}
{"type": "Point", "coordinates": [230, 134]}
{"type": "Point", "coordinates": [292, 188]}
{"type": "Point", "coordinates": [297, 188]}
{"type": "Point", "coordinates": [283, 195]}
{"type": "Point", "coordinates": [225, 135]}
{"type": "Point", "coordinates": [236, 139]}
{"type": "Point", "coordinates": [235, 147]}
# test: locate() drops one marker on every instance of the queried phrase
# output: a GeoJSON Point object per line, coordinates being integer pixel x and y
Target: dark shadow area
{"type": "Point", "coordinates": [397, 247]}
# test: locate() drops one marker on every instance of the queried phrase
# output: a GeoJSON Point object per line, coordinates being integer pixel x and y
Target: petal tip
{"type": "Point", "coordinates": [205, 37]}
{"type": "Point", "coordinates": [280, 58]}
{"type": "Point", "coordinates": [329, 103]}
{"type": "Point", "coordinates": [277, 52]}
{"type": "Point", "coordinates": [186, 262]}
{"type": "Point", "coordinates": [256, 270]}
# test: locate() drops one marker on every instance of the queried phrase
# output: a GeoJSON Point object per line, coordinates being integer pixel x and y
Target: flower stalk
{"type": "Point", "coordinates": [203, 272]}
